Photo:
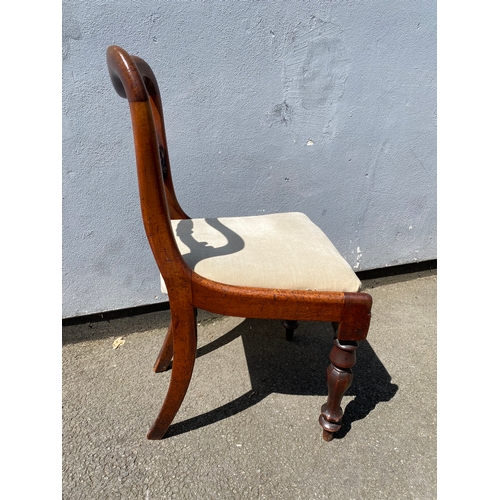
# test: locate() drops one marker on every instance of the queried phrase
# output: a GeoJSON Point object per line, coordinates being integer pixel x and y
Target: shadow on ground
{"type": "Point", "coordinates": [297, 367]}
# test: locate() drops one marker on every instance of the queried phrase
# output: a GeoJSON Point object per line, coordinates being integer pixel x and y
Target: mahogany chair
{"type": "Point", "coordinates": [277, 266]}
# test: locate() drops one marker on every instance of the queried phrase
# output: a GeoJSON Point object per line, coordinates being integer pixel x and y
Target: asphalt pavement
{"type": "Point", "coordinates": [248, 427]}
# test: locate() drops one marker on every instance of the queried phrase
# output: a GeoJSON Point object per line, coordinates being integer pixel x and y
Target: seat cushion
{"type": "Point", "coordinates": [285, 251]}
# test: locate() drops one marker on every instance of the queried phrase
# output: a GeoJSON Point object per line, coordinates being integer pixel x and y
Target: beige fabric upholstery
{"type": "Point", "coordinates": [271, 251]}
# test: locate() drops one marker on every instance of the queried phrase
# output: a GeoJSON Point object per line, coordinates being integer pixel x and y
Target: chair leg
{"type": "Point", "coordinates": [183, 330]}
{"type": "Point", "coordinates": [164, 360]}
{"type": "Point", "coordinates": [290, 325]}
{"type": "Point", "coordinates": [339, 378]}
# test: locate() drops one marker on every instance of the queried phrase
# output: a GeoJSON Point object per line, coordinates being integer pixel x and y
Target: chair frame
{"type": "Point", "coordinates": [349, 313]}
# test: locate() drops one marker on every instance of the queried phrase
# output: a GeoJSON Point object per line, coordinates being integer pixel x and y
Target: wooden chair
{"type": "Point", "coordinates": [277, 266]}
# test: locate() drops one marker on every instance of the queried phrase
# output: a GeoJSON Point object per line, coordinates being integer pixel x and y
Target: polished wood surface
{"type": "Point", "coordinates": [134, 80]}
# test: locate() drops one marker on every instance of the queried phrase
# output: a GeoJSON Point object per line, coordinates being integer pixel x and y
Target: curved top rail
{"type": "Point", "coordinates": [125, 75]}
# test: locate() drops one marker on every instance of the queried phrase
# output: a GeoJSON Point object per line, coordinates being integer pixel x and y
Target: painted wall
{"type": "Point", "coordinates": [324, 107]}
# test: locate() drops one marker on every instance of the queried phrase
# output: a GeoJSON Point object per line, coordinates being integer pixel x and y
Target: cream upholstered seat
{"type": "Point", "coordinates": [284, 251]}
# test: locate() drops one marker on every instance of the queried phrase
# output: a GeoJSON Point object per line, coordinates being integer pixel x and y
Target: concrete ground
{"type": "Point", "coordinates": [248, 427]}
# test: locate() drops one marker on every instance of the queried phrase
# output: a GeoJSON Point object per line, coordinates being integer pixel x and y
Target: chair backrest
{"type": "Point", "coordinates": [134, 80]}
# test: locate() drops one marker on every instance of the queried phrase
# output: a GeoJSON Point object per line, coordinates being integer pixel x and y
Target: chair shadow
{"type": "Point", "coordinates": [201, 250]}
{"type": "Point", "coordinates": [297, 367]}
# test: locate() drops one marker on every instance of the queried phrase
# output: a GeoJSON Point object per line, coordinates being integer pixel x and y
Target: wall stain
{"type": "Point", "coordinates": [71, 29]}
{"type": "Point", "coordinates": [281, 114]}
{"type": "Point", "coordinates": [314, 76]}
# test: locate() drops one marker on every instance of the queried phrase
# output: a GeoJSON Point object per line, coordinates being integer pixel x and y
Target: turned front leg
{"type": "Point", "coordinates": [339, 378]}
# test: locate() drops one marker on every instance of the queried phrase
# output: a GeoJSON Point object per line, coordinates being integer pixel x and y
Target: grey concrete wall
{"type": "Point", "coordinates": [324, 107]}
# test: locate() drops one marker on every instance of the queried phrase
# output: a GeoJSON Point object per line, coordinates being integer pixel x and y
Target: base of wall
{"type": "Point", "coordinates": [397, 270]}
{"type": "Point", "coordinates": [165, 306]}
